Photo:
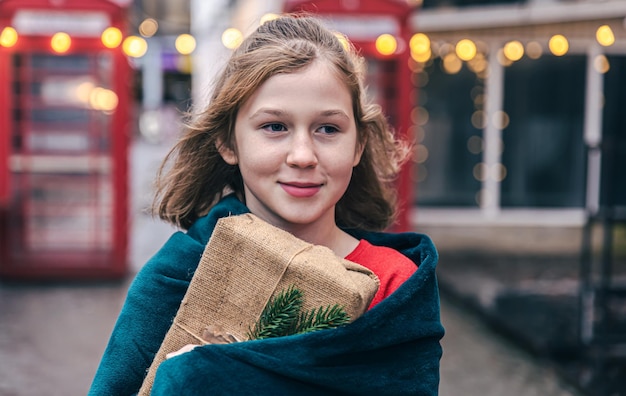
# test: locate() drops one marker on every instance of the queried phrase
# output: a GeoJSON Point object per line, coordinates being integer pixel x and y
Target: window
{"type": "Point", "coordinates": [448, 143]}
{"type": "Point", "coordinates": [543, 150]}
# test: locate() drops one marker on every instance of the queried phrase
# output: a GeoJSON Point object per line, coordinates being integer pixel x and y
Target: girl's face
{"type": "Point", "coordinates": [296, 144]}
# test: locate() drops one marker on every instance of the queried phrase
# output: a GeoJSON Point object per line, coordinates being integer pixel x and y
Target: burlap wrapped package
{"type": "Point", "coordinates": [245, 263]}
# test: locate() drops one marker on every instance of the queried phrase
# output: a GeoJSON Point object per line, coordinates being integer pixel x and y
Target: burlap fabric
{"type": "Point", "coordinates": [244, 264]}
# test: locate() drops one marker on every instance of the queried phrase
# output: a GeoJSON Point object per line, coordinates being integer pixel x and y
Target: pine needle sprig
{"type": "Point", "coordinates": [282, 316]}
{"type": "Point", "coordinates": [322, 318]}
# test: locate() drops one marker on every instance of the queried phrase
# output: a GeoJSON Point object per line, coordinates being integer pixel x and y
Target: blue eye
{"type": "Point", "coordinates": [274, 127]}
{"type": "Point", "coordinates": [328, 129]}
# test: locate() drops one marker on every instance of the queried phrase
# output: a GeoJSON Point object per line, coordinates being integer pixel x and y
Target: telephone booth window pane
{"type": "Point", "coordinates": [381, 86]}
{"type": "Point", "coordinates": [62, 214]}
{"type": "Point", "coordinates": [60, 161]}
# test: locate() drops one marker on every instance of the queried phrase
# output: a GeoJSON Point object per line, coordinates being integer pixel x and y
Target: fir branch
{"type": "Point", "coordinates": [322, 318]}
{"type": "Point", "coordinates": [280, 315]}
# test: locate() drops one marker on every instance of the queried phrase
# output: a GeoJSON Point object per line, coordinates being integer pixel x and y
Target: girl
{"type": "Point", "coordinates": [289, 137]}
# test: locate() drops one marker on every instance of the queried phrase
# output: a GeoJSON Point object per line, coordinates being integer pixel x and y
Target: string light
{"type": "Point", "coordinates": [465, 49]}
{"type": "Point", "coordinates": [452, 64]}
{"type": "Point", "coordinates": [558, 45]}
{"type": "Point", "coordinates": [534, 50]}
{"type": "Point", "coordinates": [601, 64]}
{"type": "Point", "coordinates": [134, 46]}
{"type": "Point", "coordinates": [386, 44]}
{"type": "Point", "coordinates": [8, 37]}
{"type": "Point", "coordinates": [111, 37]}
{"type": "Point", "coordinates": [148, 27]}
{"type": "Point", "coordinates": [419, 43]}
{"type": "Point", "coordinates": [60, 42]}
{"type": "Point", "coordinates": [232, 38]}
{"type": "Point", "coordinates": [513, 50]}
{"type": "Point", "coordinates": [185, 44]}
{"type": "Point", "coordinates": [605, 36]}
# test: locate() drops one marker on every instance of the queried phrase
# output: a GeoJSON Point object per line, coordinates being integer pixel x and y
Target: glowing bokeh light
{"type": "Point", "coordinates": [185, 44]}
{"type": "Point", "coordinates": [419, 44]}
{"type": "Point", "coordinates": [8, 37]}
{"type": "Point", "coordinates": [475, 144]}
{"type": "Point", "coordinates": [103, 99]}
{"type": "Point", "coordinates": [465, 49]}
{"type": "Point", "coordinates": [386, 44]}
{"type": "Point", "coordinates": [232, 38]}
{"type": "Point", "coordinates": [451, 63]}
{"type": "Point", "coordinates": [534, 50]}
{"type": "Point", "coordinates": [421, 57]}
{"type": "Point", "coordinates": [558, 45]}
{"type": "Point", "coordinates": [60, 42]}
{"type": "Point", "coordinates": [148, 27]}
{"type": "Point", "coordinates": [601, 64]}
{"type": "Point", "coordinates": [135, 46]}
{"type": "Point", "coordinates": [111, 37]}
{"type": "Point", "coordinates": [605, 36]}
{"type": "Point", "coordinates": [513, 50]}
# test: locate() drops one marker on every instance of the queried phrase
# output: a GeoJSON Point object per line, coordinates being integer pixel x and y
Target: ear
{"type": "Point", "coordinates": [228, 154]}
{"type": "Point", "coordinates": [360, 147]}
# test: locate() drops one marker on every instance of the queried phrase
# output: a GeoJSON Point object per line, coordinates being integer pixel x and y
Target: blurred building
{"type": "Point", "coordinates": [514, 102]}
{"type": "Point", "coordinates": [510, 97]}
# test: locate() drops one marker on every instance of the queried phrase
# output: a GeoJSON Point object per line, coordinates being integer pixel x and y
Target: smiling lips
{"type": "Point", "coordinates": [301, 190]}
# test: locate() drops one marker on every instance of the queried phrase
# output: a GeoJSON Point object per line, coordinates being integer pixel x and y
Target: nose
{"type": "Point", "coordinates": [302, 151]}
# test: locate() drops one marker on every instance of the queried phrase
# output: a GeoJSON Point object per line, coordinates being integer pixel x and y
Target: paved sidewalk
{"type": "Point", "coordinates": [52, 337]}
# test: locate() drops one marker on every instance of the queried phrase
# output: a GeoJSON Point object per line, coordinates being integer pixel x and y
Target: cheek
{"type": "Point", "coordinates": [258, 157]}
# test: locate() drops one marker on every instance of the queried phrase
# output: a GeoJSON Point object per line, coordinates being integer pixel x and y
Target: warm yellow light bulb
{"type": "Point", "coordinates": [558, 45]}
{"type": "Point", "coordinates": [419, 44]}
{"type": "Point", "coordinates": [386, 44]}
{"type": "Point", "coordinates": [465, 49]}
{"type": "Point", "coordinates": [60, 42]}
{"type": "Point", "coordinates": [605, 35]}
{"type": "Point", "coordinates": [8, 37]}
{"type": "Point", "coordinates": [103, 99]}
{"type": "Point", "coordinates": [232, 38]}
{"type": "Point", "coordinates": [601, 64]}
{"type": "Point", "coordinates": [534, 50]}
{"type": "Point", "coordinates": [148, 27]}
{"type": "Point", "coordinates": [111, 37]}
{"type": "Point", "coordinates": [513, 50]}
{"type": "Point", "coordinates": [451, 63]}
{"type": "Point", "coordinates": [185, 44]}
{"type": "Point", "coordinates": [421, 57]}
{"type": "Point", "coordinates": [135, 46]}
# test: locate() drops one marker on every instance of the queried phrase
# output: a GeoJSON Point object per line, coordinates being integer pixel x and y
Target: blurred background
{"type": "Point", "coordinates": [517, 109]}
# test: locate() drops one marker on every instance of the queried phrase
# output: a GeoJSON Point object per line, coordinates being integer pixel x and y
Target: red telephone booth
{"type": "Point", "coordinates": [389, 75]}
{"type": "Point", "coordinates": [64, 136]}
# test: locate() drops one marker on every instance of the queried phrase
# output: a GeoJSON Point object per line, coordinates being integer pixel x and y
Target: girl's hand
{"type": "Point", "coordinates": [182, 350]}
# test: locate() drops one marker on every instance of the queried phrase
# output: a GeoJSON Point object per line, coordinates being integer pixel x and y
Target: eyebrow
{"type": "Point", "coordinates": [265, 111]}
{"type": "Point", "coordinates": [278, 113]}
{"type": "Point", "coordinates": [332, 113]}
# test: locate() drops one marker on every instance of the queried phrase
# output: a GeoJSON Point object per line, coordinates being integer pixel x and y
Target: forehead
{"type": "Point", "coordinates": [318, 86]}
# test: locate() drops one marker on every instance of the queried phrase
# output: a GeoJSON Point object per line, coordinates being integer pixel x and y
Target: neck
{"type": "Point", "coordinates": [330, 236]}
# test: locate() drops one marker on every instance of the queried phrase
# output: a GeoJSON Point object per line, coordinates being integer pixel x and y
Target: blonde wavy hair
{"type": "Point", "coordinates": [193, 176]}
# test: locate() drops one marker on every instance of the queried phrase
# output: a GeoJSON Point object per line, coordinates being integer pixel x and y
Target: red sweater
{"type": "Point", "coordinates": [390, 266]}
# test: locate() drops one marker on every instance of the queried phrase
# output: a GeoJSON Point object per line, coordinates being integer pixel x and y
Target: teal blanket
{"type": "Point", "coordinates": [393, 349]}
